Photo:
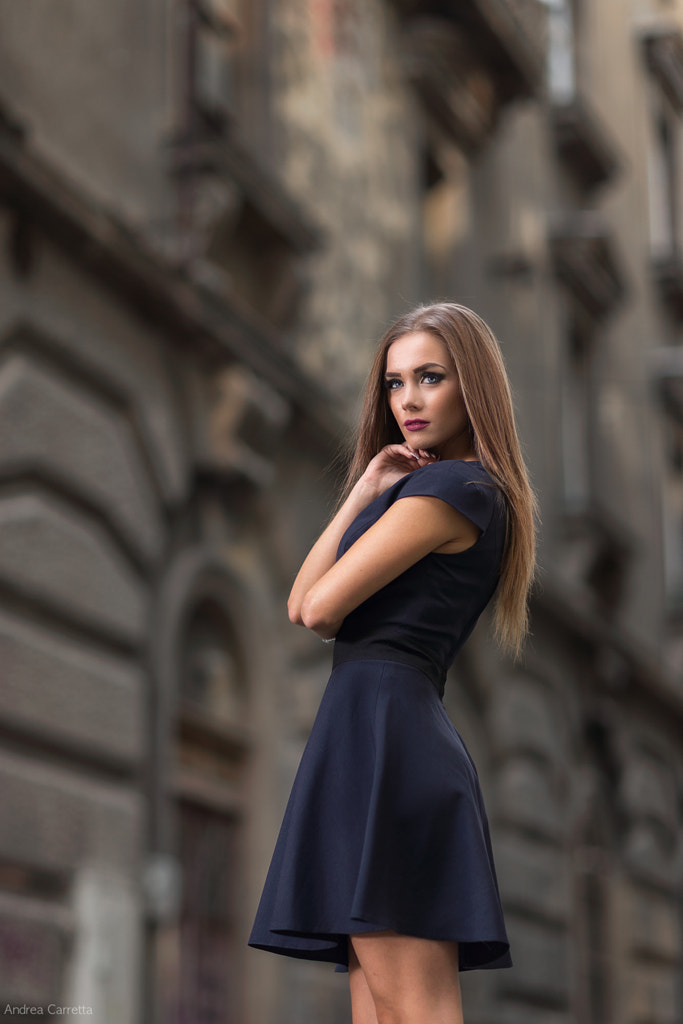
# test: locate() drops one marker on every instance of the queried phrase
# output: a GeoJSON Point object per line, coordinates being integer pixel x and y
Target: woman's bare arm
{"type": "Point", "coordinates": [392, 463]}
{"type": "Point", "coordinates": [410, 529]}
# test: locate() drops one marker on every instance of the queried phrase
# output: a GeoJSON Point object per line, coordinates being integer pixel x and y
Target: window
{"type": "Point", "coordinates": [577, 417]}
{"type": "Point", "coordinates": [672, 510]}
{"type": "Point", "coordinates": [594, 865]}
{"type": "Point", "coordinates": [212, 682]}
{"type": "Point", "coordinates": [211, 30]}
{"type": "Point", "coordinates": [663, 53]}
{"type": "Point", "coordinates": [212, 748]}
{"type": "Point", "coordinates": [561, 71]}
{"type": "Point", "coordinates": [597, 549]}
{"type": "Point", "coordinates": [209, 977]}
{"type": "Point", "coordinates": [663, 163]}
{"type": "Point", "coordinates": [594, 889]}
{"type": "Point", "coordinates": [445, 214]}
{"type": "Point", "coordinates": [564, 23]}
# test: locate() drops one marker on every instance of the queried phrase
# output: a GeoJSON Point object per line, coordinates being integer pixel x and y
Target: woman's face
{"type": "Point", "coordinates": [424, 395]}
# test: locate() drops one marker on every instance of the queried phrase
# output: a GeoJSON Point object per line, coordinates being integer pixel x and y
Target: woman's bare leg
{"type": "Point", "coordinates": [362, 1003]}
{"type": "Point", "coordinates": [411, 980]}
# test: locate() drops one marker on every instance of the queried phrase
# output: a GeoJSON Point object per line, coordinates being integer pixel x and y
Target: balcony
{"type": "Point", "coordinates": [595, 558]}
{"type": "Point", "coordinates": [667, 272]}
{"type": "Point", "coordinates": [453, 85]}
{"type": "Point", "coordinates": [509, 36]}
{"type": "Point", "coordinates": [663, 51]}
{"type": "Point", "coordinates": [258, 235]}
{"type": "Point", "coordinates": [586, 263]}
{"type": "Point", "coordinates": [667, 370]}
{"type": "Point", "coordinates": [468, 58]}
{"type": "Point", "coordinates": [583, 144]}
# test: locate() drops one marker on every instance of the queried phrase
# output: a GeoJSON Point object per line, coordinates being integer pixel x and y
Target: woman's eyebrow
{"type": "Point", "coordinates": [418, 369]}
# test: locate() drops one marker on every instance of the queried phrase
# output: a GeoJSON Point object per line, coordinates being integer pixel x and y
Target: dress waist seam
{"type": "Point", "coordinates": [343, 656]}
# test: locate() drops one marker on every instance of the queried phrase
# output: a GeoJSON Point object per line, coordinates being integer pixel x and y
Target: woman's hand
{"type": "Point", "coordinates": [411, 528]}
{"type": "Point", "coordinates": [392, 463]}
{"type": "Point", "coordinates": [388, 466]}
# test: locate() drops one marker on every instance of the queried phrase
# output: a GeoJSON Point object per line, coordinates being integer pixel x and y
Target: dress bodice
{"type": "Point", "coordinates": [424, 616]}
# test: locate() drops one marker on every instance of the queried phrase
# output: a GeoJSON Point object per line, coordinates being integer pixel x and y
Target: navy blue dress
{"type": "Point", "coordinates": [385, 826]}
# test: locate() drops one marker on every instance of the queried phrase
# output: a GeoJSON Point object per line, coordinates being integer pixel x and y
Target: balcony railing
{"type": "Point", "coordinates": [583, 144]}
{"type": "Point", "coordinates": [667, 272]}
{"type": "Point", "coordinates": [663, 48]}
{"type": "Point", "coordinates": [450, 79]}
{"type": "Point", "coordinates": [510, 35]}
{"type": "Point", "coordinates": [667, 371]}
{"type": "Point", "coordinates": [468, 58]}
{"type": "Point", "coordinates": [586, 262]}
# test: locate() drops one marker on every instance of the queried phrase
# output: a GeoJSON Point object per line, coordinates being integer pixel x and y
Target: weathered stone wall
{"type": "Point", "coordinates": [350, 144]}
{"type": "Point", "coordinates": [95, 84]}
{"type": "Point", "coordinates": [139, 478]}
{"type": "Point", "coordinates": [90, 453]}
{"type": "Point", "coordinates": [587, 734]}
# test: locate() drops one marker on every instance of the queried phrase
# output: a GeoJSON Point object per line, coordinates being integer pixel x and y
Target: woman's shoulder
{"type": "Point", "coordinates": [464, 484]}
{"type": "Point", "coordinates": [450, 472]}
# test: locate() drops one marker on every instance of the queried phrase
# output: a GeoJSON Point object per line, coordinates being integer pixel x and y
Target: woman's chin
{"type": "Point", "coordinates": [417, 442]}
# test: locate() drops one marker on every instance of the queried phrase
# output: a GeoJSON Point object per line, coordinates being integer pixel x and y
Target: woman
{"type": "Point", "coordinates": [384, 864]}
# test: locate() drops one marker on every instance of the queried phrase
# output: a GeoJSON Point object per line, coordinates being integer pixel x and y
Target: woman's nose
{"type": "Point", "coordinates": [411, 397]}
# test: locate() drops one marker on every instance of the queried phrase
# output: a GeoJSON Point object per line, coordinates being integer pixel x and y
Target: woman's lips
{"type": "Point", "coordinates": [416, 424]}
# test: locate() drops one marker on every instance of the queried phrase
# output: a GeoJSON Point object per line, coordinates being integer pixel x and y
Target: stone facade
{"type": "Point", "coordinates": [351, 138]}
{"type": "Point", "coordinates": [208, 212]}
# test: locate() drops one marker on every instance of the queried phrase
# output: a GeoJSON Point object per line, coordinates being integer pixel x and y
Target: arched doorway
{"type": "Point", "coordinates": [205, 747]}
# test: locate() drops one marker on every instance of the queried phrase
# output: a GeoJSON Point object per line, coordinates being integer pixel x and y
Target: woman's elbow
{"type": "Point", "coordinates": [313, 616]}
{"type": "Point", "coordinates": [294, 612]}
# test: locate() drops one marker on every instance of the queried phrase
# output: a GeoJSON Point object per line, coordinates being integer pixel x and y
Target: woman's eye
{"type": "Point", "coordinates": [393, 383]}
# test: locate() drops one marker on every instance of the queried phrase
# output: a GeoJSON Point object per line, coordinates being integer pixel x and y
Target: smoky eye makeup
{"type": "Point", "coordinates": [433, 375]}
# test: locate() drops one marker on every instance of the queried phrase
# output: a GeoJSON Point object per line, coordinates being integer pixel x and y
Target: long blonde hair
{"type": "Point", "coordinates": [486, 393]}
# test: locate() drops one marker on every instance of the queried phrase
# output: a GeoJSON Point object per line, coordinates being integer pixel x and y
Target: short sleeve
{"type": "Point", "coordinates": [463, 485]}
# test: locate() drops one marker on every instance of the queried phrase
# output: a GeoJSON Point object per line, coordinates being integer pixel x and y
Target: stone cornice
{"type": "Point", "coordinates": [506, 37]}
{"type": "Point", "coordinates": [193, 306]}
{"type": "Point", "coordinates": [568, 608]}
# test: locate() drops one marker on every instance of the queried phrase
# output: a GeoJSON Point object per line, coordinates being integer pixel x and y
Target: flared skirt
{"type": "Point", "coordinates": [385, 828]}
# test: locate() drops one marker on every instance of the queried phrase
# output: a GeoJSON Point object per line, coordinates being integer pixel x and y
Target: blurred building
{"type": "Point", "coordinates": [209, 209]}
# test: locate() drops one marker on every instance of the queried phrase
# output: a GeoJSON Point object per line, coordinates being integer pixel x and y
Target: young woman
{"type": "Point", "coordinates": [383, 864]}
